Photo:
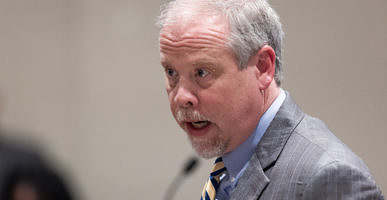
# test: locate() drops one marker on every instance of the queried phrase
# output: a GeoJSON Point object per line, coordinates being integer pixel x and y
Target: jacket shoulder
{"type": "Point", "coordinates": [323, 145]}
{"type": "Point", "coordinates": [327, 168]}
{"type": "Point", "coordinates": [314, 158]}
{"type": "Point", "coordinates": [339, 180]}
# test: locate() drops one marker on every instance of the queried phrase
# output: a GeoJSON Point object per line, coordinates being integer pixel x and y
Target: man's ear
{"type": "Point", "coordinates": [264, 61]}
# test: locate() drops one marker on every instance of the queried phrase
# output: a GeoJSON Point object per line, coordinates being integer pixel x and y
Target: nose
{"type": "Point", "coordinates": [185, 98]}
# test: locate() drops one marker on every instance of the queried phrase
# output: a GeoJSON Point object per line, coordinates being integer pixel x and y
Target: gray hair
{"type": "Point", "coordinates": [253, 24]}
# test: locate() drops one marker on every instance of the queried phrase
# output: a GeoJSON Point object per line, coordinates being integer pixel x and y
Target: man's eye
{"type": "Point", "coordinates": [202, 73]}
{"type": "Point", "coordinates": [170, 72]}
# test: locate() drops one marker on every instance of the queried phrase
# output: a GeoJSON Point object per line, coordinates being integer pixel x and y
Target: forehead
{"type": "Point", "coordinates": [193, 33]}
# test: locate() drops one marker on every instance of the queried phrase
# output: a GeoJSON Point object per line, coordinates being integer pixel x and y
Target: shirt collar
{"type": "Point", "coordinates": [239, 157]}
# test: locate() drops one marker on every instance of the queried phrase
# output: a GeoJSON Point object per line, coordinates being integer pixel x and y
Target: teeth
{"type": "Point", "coordinates": [199, 124]}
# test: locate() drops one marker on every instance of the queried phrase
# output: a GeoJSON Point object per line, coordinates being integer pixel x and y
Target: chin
{"type": "Point", "coordinates": [208, 154]}
{"type": "Point", "coordinates": [208, 148]}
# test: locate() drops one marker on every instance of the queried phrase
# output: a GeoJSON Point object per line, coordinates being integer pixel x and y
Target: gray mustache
{"type": "Point", "coordinates": [189, 115]}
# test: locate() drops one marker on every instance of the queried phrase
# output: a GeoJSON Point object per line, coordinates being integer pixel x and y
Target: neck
{"type": "Point", "coordinates": [269, 95]}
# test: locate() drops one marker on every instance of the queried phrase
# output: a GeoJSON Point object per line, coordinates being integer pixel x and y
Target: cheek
{"type": "Point", "coordinates": [218, 106]}
{"type": "Point", "coordinates": [172, 104]}
{"type": "Point", "coordinates": [170, 99]}
{"type": "Point", "coordinates": [168, 87]}
{"type": "Point", "coordinates": [231, 106]}
{"type": "Point", "coordinates": [170, 92]}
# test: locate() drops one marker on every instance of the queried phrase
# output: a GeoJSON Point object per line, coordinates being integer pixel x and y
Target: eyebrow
{"type": "Point", "coordinates": [165, 64]}
{"type": "Point", "coordinates": [205, 62]}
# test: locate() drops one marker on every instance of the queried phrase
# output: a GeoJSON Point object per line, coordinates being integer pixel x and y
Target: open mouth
{"type": "Point", "coordinates": [199, 124]}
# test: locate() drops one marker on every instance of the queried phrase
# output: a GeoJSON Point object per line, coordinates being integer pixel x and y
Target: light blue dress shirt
{"type": "Point", "coordinates": [237, 161]}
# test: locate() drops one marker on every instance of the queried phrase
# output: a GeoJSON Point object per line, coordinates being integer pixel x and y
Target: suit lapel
{"type": "Point", "coordinates": [254, 180]}
{"type": "Point", "coordinates": [273, 141]}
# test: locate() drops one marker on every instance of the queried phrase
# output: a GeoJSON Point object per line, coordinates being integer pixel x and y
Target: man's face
{"type": "Point", "coordinates": [211, 99]}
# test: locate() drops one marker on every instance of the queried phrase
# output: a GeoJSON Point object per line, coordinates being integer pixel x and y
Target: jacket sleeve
{"type": "Point", "coordinates": [342, 181]}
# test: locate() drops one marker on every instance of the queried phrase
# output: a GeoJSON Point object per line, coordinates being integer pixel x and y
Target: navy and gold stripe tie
{"type": "Point", "coordinates": [210, 188]}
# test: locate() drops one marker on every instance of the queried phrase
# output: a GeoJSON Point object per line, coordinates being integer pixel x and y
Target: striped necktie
{"type": "Point", "coordinates": [210, 188]}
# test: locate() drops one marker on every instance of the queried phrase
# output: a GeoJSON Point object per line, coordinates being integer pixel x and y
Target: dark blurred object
{"type": "Point", "coordinates": [190, 165]}
{"type": "Point", "coordinates": [25, 175]}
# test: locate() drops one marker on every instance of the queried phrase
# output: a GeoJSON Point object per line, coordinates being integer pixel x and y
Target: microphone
{"type": "Point", "coordinates": [188, 168]}
{"type": "Point", "coordinates": [190, 165]}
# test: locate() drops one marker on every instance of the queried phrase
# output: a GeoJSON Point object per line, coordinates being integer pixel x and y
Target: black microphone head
{"type": "Point", "coordinates": [190, 165]}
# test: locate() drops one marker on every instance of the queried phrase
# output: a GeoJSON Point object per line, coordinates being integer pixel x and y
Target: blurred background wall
{"type": "Point", "coordinates": [82, 78]}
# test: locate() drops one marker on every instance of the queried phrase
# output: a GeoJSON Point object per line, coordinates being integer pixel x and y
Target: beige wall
{"type": "Point", "coordinates": [83, 79]}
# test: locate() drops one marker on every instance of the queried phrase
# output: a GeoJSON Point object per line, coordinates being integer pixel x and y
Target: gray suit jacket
{"type": "Point", "coordinates": [299, 158]}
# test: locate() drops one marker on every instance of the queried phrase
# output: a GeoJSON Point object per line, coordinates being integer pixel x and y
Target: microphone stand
{"type": "Point", "coordinates": [189, 167]}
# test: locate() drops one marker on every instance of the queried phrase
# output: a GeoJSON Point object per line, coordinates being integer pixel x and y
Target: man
{"type": "Point", "coordinates": [222, 61]}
